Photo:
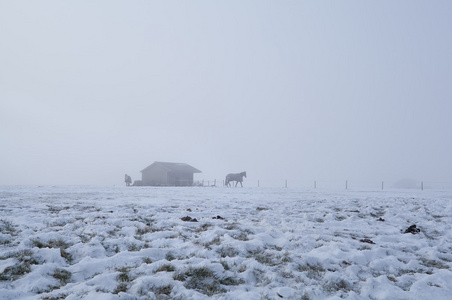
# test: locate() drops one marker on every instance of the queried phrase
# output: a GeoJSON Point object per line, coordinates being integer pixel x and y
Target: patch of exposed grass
{"type": "Point", "coordinates": [111, 248]}
{"type": "Point", "coordinates": [286, 274]}
{"type": "Point", "coordinates": [55, 297]}
{"type": "Point", "coordinates": [229, 280]}
{"type": "Point", "coordinates": [162, 289]}
{"type": "Point", "coordinates": [266, 259]}
{"type": "Point", "coordinates": [430, 263]}
{"type": "Point", "coordinates": [340, 218]}
{"type": "Point", "coordinates": [378, 212]}
{"type": "Point", "coordinates": [66, 255]}
{"type": "Point", "coordinates": [447, 259]}
{"type": "Point", "coordinates": [23, 266]}
{"type": "Point", "coordinates": [62, 275]}
{"type": "Point", "coordinates": [305, 297]}
{"type": "Point", "coordinates": [147, 260]}
{"type": "Point", "coordinates": [434, 284]}
{"type": "Point", "coordinates": [120, 288]}
{"type": "Point", "coordinates": [146, 220]}
{"type": "Point", "coordinates": [59, 243]}
{"type": "Point", "coordinates": [203, 280]}
{"type": "Point", "coordinates": [124, 276]}
{"type": "Point", "coordinates": [261, 277]}
{"type": "Point", "coordinates": [261, 208]}
{"type": "Point", "coordinates": [148, 229]}
{"type": "Point", "coordinates": [57, 209]}
{"type": "Point", "coordinates": [313, 271]}
{"type": "Point", "coordinates": [86, 238]}
{"type": "Point", "coordinates": [263, 257]}
{"type": "Point", "coordinates": [241, 236]}
{"type": "Point", "coordinates": [166, 268]}
{"type": "Point", "coordinates": [286, 258]}
{"type": "Point", "coordinates": [242, 268]}
{"type": "Point", "coordinates": [335, 286]}
{"type": "Point", "coordinates": [134, 247]}
{"type": "Point", "coordinates": [363, 248]}
{"type": "Point", "coordinates": [5, 242]}
{"type": "Point", "coordinates": [391, 278]}
{"type": "Point", "coordinates": [274, 247]}
{"type": "Point", "coordinates": [204, 227]}
{"type": "Point", "coordinates": [7, 227]}
{"type": "Point", "coordinates": [21, 255]}
{"type": "Point", "coordinates": [215, 241]}
{"type": "Point", "coordinates": [401, 272]}
{"type": "Point", "coordinates": [170, 256]}
{"type": "Point", "coordinates": [12, 273]}
{"type": "Point", "coordinates": [225, 265]}
{"type": "Point", "coordinates": [232, 226]}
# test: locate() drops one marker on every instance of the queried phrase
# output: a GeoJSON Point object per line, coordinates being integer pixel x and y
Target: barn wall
{"type": "Point", "coordinates": [180, 179]}
{"type": "Point", "coordinates": [155, 176]}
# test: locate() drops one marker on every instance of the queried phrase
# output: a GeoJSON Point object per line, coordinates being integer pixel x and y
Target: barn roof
{"type": "Point", "coordinates": [173, 167]}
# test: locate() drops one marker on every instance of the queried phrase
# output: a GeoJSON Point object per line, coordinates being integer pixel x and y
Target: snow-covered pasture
{"type": "Point", "coordinates": [223, 243]}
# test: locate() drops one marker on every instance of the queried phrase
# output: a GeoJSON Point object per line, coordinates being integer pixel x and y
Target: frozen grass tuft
{"type": "Point", "coordinates": [430, 263]}
{"type": "Point", "coordinates": [24, 259]}
{"type": "Point", "coordinates": [62, 275]}
{"type": "Point", "coordinates": [60, 296]}
{"type": "Point", "coordinates": [162, 289]}
{"type": "Point", "coordinates": [204, 280]}
{"type": "Point", "coordinates": [166, 268]}
{"type": "Point", "coordinates": [7, 227]}
{"type": "Point", "coordinates": [170, 256]}
{"type": "Point", "coordinates": [313, 271]}
{"type": "Point", "coordinates": [124, 275]}
{"type": "Point", "coordinates": [58, 243]}
{"type": "Point", "coordinates": [339, 285]}
{"type": "Point", "coordinates": [227, 251]}
{"type": "Point", "coordinates": [215, 241]}
{"type": "Point", "coordinates": [120, 288]}
{"type": "Point", "coordinates": [12, 273]}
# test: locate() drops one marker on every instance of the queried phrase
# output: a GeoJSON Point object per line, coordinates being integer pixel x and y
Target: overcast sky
{"type": "Point", "coordinates": [297, 90]}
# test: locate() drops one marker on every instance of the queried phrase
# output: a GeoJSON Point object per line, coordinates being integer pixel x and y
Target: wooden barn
{"type": "Point", "coordinates": [168, 174]}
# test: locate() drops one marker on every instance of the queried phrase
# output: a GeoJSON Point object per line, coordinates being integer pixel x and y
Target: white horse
{"type": "Point", "coordinates": [235, 177]}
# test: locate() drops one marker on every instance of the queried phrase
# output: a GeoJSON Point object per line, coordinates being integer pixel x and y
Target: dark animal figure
{"type": "Point", "coordinates": [127, 180]}
{"type": "Point", "coordinates": [235, 177]}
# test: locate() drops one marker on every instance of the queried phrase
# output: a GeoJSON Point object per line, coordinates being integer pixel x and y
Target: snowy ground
{"type": "Point", "coordinates": [246, 243]}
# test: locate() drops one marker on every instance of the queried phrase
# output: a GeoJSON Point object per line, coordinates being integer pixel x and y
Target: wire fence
{"type": "Point", "coordinates": [333, 184]}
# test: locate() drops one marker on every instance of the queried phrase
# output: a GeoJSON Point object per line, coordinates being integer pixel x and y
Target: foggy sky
{"type": "Point", "coordinates": [297, 90]}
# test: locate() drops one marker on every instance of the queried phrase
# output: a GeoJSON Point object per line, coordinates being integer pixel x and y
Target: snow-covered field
{"type": "Point", "coordinates": [223, 243]}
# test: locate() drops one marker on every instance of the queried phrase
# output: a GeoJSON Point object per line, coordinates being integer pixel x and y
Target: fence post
{"type": "Point", "coordinates": [346, 184]}
{"type": "Point", "coordinates": [258, 184]}
{"type": "Point", "coordinates": [382, 185]}
{"type": "Point", "coordinates": [422, 185]}
{"type": "Point", "coordinates": [286, 183]}
{"type": "Point", "coordinates": [315, 184]}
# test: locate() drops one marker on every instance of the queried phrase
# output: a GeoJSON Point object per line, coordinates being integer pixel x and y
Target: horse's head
{"type": "Point", "coordinates": [244, 174]}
